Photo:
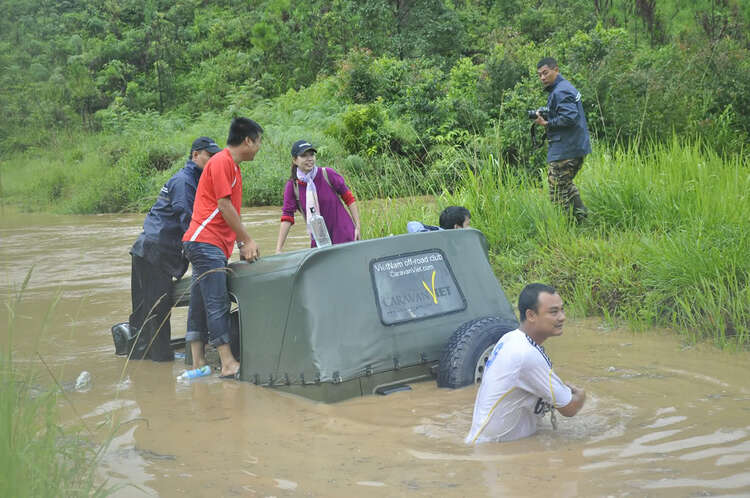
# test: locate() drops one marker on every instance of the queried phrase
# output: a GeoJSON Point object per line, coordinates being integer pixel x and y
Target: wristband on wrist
{"type": "Point", "coordinates": [240, 244]}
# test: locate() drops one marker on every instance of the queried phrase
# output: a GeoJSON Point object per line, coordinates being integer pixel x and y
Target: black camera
{"type": "Point", "coordinates": [544, 111]}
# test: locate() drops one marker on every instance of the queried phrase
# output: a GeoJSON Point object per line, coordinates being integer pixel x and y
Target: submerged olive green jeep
{"type": "Point", "coordinates": [369, 316]}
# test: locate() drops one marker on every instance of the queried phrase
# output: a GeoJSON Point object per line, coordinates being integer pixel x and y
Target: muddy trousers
{"type": "Point", "coordinates": [562, 190]}
{"type": "Point", "coordinates": [151, 293]}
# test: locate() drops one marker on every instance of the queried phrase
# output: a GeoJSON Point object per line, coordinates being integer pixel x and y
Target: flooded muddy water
{"type": "Point", "coordinates": [661, 419]}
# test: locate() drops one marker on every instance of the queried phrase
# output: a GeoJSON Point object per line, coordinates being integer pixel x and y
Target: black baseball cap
{"type": "Point", "coordinates": [205, 143]}
{"type": "Point", "coordinates": [300, 146]}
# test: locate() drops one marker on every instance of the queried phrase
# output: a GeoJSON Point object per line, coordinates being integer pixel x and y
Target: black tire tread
{"type": "Point", "coordinates": [453, 359]}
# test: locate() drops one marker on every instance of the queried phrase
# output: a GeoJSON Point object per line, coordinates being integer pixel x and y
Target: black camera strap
{"type": "Point", "coordinates": [534, 142]}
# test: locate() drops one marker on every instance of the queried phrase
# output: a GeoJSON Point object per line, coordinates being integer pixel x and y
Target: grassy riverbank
{"type": "Point", "coordinates": [667, 242]}
{"type": "Point", "coordinates": [39, 457]}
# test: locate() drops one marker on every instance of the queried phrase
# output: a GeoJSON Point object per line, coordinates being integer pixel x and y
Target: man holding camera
{"type": "Point", "coordinates": [567, 134]}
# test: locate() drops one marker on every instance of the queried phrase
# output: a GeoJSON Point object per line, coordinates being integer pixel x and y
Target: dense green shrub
{"type": "Point", "coordinates": [362, 129]}
{"type": "Point", "coordinates": [422, 102]}
{"type": "Point", "coordinates": [512, 131]}
{"type": "Point", "coordinates": [392, 77]}
{"type": "Point", "coordinates": [727, 66]}
{"type": "Point", "coordinates": [359, 84]}
{"type": "Point", "coordinates": [587, 49]}
{"type": "Point", "coordinates": [504, 69]}
{"type": "Point", "coordinates": [537, 24]}
{"type": "Point", "coordinates": [212, 80]}
{"type": "Point", "coordinates": [462, 98]}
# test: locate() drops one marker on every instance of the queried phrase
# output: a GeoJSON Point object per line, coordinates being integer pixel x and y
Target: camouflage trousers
{"type": "Point", "coordinates": [560, 177]}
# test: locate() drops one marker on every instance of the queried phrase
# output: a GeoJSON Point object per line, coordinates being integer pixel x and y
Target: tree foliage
{"type": "Point", "coordinates": [447, 72]}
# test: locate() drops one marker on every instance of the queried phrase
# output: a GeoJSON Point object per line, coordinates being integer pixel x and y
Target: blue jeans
{"type": "Point", "coordinates": [208, 314]}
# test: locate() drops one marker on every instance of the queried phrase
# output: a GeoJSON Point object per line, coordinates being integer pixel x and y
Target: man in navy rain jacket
{"type": "Point", "coordinates": [158, 259]}
{"type": "Point", "coordinates": [567, 135]}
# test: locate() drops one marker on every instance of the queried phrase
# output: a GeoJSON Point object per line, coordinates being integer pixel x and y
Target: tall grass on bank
{"type": "Point", "coordinates": [667, 241]}
{"type": "Point", "coordinates": [39, 457]}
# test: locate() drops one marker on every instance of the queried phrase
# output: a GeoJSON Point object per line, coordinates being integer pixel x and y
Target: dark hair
{"type": "Point", "coordinates": [242, 128]}
{"type": "Point", "coordinates": [452, 216]}
{"type": "Point", "coordinates": [547, 61]}
{"type": "Point", "coordinates": [529, 298]}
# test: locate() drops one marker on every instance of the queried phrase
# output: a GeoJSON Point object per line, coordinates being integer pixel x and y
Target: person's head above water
{"type": "Point", "coordinates": [541, 311]}
{"type": "Point", "coordinates": [455, 217]}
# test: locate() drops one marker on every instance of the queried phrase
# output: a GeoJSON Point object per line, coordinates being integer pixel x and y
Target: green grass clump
{"type": "Point", "coordinates": [38, 456]}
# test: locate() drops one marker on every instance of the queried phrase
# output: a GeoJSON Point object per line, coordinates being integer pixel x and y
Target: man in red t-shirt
{"type": "Point", "coordinates": [208, 244]}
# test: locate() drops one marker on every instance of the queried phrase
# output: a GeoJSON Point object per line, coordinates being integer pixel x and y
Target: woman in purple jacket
{"type": "Point", "coordinates": [327, 189]}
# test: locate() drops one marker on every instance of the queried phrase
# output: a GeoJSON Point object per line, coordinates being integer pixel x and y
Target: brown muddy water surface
{"type": "Point", "coordinates": [661, 419]}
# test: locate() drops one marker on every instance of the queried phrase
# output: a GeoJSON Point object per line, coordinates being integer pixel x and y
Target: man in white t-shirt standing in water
{"type": "Point", "coordinates": [519, 386]}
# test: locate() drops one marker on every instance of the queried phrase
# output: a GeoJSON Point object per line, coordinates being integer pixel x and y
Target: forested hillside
{"type": "Point", "coordinates": [417, 82]}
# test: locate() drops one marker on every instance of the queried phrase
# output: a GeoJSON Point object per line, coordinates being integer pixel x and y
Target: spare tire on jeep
{"type": "Point", "coordinates": [464, 357]}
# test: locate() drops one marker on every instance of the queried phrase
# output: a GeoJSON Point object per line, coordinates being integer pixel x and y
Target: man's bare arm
{"type": "Point", "coordinates": [249, 251]}
{"type": "Point", "coordinates": [576, 403]}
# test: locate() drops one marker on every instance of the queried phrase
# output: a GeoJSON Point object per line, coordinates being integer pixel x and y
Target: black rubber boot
{"type": "Point", "coordinates": [579, 210]}
{"type": "Point", "coordinates": [140, 350]}
{"type": "Point", "coordinates": [123, 338]}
